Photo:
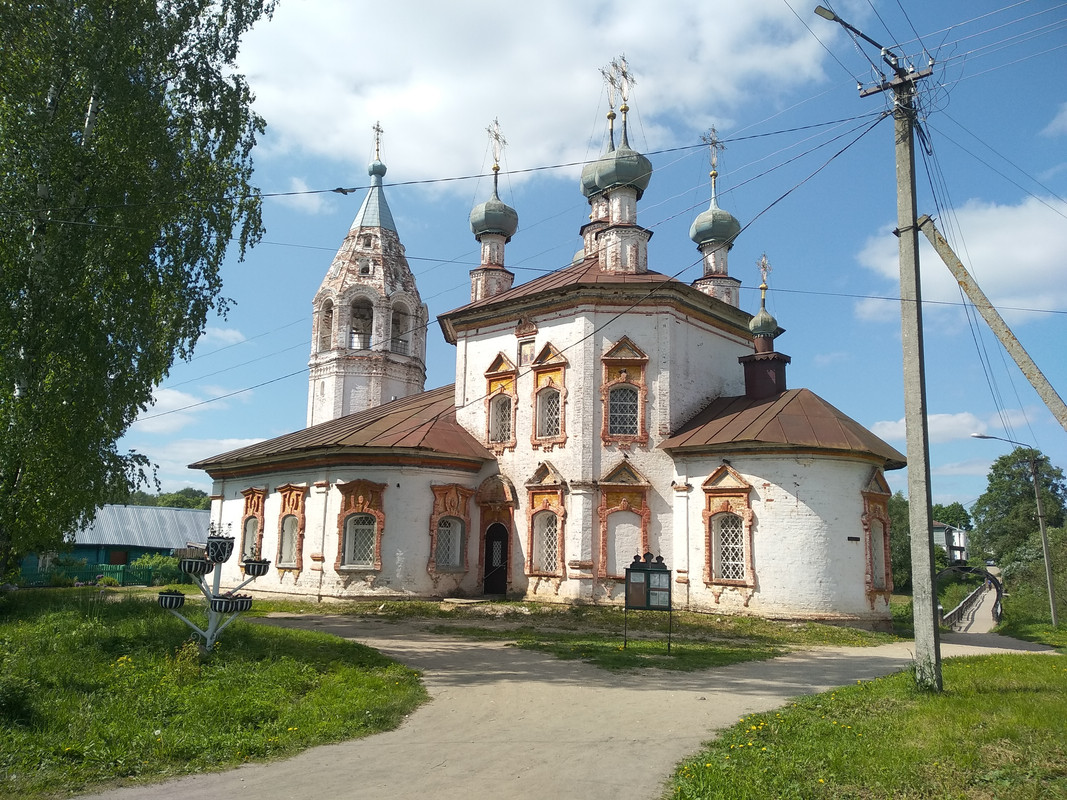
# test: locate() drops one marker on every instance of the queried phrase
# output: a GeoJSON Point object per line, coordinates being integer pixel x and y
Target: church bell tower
{"type": "Point", "coordinates": [368, 341]}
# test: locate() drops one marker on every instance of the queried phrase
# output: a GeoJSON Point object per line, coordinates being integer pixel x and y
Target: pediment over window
{"type": "Point", "coordinates": [546, 475]}
{"type": "Point", "coordinates": [625, 351]}
{"type": "Point", "coordinates": [877, 484]}
{"type": "Point", "coordinates": [496, 490]}
{"type": "Point", "coordinates": [502, 365]}
{"type": "Point", "coordinates": [624, 474]}
{"type": "Point", "coordinates": [549, 357]}
{"type": "Point", "coordinates": [726, 479]}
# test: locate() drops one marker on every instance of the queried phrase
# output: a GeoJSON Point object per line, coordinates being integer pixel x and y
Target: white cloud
{"type": "Point", "coordinates": [324, 72]}
{"type": "Point", "coordinates": [971, 467]}
{"type": "Point", "coordinates": [941, 427]}
{"type": "Point", "coordinates": [889, 430]}
{"type": "Point", "coordinates": [173, 410]}
{"type": "Point", "coordinates": [221, 337]}
{"type": "Point", "coordinates": [1013, 252]}
{"type": "Point", "coordinates": [302, 201]}
{"type": "Point", "coordinates": [827, 359]}
{"type": "Point", "coordinates": [168, 413]}
{"type": "Point", "coordinates": [173, 462]}
{"type": "Point", "coordinates": [1058, 126]}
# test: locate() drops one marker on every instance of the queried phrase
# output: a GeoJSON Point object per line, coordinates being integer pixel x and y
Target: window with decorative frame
{"type": "Point", "coordinates": [548, 413]}
{"type": "Point", "coordinates": [727, 547]}
{"type": "Point", "coordinates": [291, 522]}
{"type": "Point", "coordinates": [360, 526]}
{"type": "Point", "coordinates": [449, 523]}
{"type": "Point", "coordinates": [252, 522]}
{"type": "Point", "coordinates": [448, 549]}
{"type": "Point", "coordinates": [359, 541]}
{"type": "Point", "coordinates": [500, 404]}
{"type": "Point", "coordinates": [549, 426]}
{"type": "Point", "coordinates": [728, 521]}
{"type": "Point", "coordinates": [624, 393]}
{"type": "Point", "coordinates": [545, 548]}
{"type": "Point", "coordinates": [546, 518]}
{"type": "Point", "coordinates": [876, 525]}
{"type": "Point", "coordinates": [501, 412]}
{"type": "Point", "coordinates": [287, 541]}
{"type": "Point", "coordinates": [250, 538]}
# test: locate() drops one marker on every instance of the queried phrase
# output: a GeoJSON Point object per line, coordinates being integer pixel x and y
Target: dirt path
{"type": "Point", "coordinates": [511, 723]}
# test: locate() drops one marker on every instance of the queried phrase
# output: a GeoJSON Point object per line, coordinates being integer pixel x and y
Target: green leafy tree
{"type": "Point", "coordinates": [183, 498]}
{"type": "Point", "coordinates": [1005, 516]}
{"type": "Point", "coordinates": [125, 144]}
{"type": "Point", "coordinates": [953, 514]}
{"type": "Point", "coordinates": [900, 541]}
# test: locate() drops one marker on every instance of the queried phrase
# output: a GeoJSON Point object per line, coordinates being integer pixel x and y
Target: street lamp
{"type": "Point", "coordinates": [1040, 518]}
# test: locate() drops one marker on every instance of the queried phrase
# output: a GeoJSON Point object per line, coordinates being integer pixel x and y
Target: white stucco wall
{"type": "Point", "coordinates": [805, 510]}
{"type": "Point", "coordinates": [405, 542]}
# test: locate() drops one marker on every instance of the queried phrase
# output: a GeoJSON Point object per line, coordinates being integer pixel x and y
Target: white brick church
{"type": "Point", "coordinates": [600, 411]}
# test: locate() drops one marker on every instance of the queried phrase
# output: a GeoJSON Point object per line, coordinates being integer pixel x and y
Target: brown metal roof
{"type": "Point", "coordinates": [585, 272]}
{"type": "Point", "coordinates": [797, 419]}
{"type": "Point", "coordinates": [585, 281]}
{"type": "Point", "coordinates": [423, 422]}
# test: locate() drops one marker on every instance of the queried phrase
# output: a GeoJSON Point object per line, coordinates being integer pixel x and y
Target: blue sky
{"type": "Point", "coordinates": [816, 193]}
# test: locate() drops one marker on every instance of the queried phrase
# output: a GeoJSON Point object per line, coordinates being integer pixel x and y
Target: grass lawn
{"type": "Point", "coordinates": [997, 731]}
{"type": "Point", "coordinates": [595, 633]}
{"type": "Point", "coordinates": [97, 688]}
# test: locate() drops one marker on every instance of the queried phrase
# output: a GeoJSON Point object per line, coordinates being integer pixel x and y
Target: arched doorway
{"type": "Point", "coordinates": [495, 578]}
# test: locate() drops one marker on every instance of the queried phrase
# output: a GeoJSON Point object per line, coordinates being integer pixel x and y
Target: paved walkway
{"type": "Point", "coordinates": [511, 723]}
{"type": "Point", "coordinates": [979, 617]}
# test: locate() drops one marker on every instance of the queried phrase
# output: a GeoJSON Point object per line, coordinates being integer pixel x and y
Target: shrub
{"type": "Point", "coordinates": [165, 569]}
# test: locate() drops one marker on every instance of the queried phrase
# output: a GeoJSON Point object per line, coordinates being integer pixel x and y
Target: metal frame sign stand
{"type": "Point", "coordinates": [648, 587]}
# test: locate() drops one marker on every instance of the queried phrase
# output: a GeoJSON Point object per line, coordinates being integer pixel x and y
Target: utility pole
{"type": "Point", "coordinates": [927, 632]}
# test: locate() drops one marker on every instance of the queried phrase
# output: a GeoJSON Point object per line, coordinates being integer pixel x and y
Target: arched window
{"type": "Point", "coordinates": [326, 327]}
{"type": "Point", "coordinates": [545, 542]}
{"type": "Point", "coordinates": [360, 530]}
{"type": "Point", "coordinates": [287, 545]}
{"type": "Point", "coordinates": [623, 411]}
{"type": "Point", "coordinates": [500, 418]}
{"type": "Point", "coordinates": [359, 337]}
{"type": "Point", "coordinates": [728, 547]}
{"type": "Point", "coordinates": [400, 336]}
{"type": "Point", "coordinates": [448, 553]}
{"type": "Point", "coordinates": [548, 413]}
{"type": "Point", "coordinates": [249, 537]}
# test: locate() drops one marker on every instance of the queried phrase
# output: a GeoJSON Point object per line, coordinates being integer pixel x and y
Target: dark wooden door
{"type": "Point", "coordinates": [496, 560]}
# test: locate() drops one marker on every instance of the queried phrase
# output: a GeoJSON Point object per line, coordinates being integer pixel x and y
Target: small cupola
{"type": "Point", "coordinates": [765, 369]}
{"type": "Point", "coordinates": [493, 223]}
{"type": "Point", "coordinates": [714, 232]}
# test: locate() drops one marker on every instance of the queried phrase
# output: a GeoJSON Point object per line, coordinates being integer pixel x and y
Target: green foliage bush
{"type": "Point", "coordinates": [165, 569]}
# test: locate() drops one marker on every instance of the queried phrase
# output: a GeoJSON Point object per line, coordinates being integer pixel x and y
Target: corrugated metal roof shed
{"type": "Point", "coordinates": [146, 526]}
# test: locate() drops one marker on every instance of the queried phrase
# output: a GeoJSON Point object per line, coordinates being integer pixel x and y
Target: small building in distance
{"type": "Point", "coordinates": [950, 539]}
